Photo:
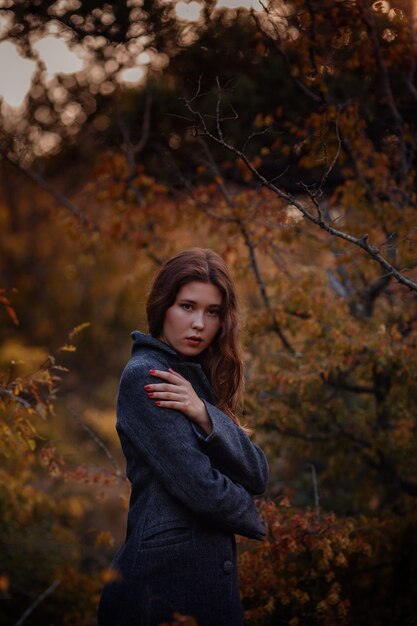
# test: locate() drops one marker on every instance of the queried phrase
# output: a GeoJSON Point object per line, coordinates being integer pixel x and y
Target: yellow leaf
{"type": "Point", "coordinates": [109, 575]}
{"type": "Point", "coordinates": [41, 410]}
{"type": "Point", "coordinates": [78, 329]}
{"type": "Point", "coordinates": [105, 538]}
{"type": "Point", "coordinates": [259, 120]}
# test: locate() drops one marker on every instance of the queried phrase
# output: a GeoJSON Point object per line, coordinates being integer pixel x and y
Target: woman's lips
{"type": "Point", "coordinates": [194, 341]}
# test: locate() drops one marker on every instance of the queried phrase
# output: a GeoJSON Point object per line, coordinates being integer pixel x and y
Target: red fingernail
{"type": "Point", "coordinates": [150, 395]}
{"type": "Point", "coordinates": [147, 387]}
{"type": "Point", "coordinates": [151, 371]}
{"type": "Point", "coordinates": [158, 403]}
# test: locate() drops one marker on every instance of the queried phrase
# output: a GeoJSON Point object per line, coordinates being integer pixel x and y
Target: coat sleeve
{"type": "Point", "coordinates": [232, 452]}
{"type": "Point", "coordinates": [165, 439]}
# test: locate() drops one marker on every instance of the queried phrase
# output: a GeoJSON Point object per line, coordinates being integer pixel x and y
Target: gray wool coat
{"type": "Point", "coordinates": [190, 494]}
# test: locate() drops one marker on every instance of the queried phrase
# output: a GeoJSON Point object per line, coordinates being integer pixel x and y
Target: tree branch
{"type": "Point", "coordinates": [369, 21]}
{"type": "Point", "coordinates": [315, 490]}
{"type": "Point", "coordinates": [277, 45]}
{"type": "Point", "coordinates": [57, 195]}
{"type": "Point", "coordinates": [36, 603]}
{"type": "Point", "coordinates": [100, 443]}
{"type": "Point", "coordinates": [252, 253]}
{"type": "Point", "coordinates": [13, 396]}
{"type": "Point", "coordinates": [361, 242]}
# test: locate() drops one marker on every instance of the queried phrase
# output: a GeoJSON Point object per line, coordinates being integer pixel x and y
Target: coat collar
{"type": "Point", "coordinates": [147, 341]}
{"type": "Point", "coordinates": [190, 369]}
{"type": "Point", "coordinates": [144, 340]}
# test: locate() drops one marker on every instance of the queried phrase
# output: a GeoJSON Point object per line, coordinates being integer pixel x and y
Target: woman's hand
{"type": "Point", "coordinates": [177, 393]}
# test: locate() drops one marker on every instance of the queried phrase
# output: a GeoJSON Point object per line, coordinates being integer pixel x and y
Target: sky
{"type": "Point", "coordinates": [16, 72]}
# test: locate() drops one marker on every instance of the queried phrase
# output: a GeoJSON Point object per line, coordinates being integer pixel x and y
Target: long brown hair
{"type": "Point", "coordinates": [222, 361]}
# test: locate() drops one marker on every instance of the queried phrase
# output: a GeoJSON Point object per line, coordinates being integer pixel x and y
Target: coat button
{"type": "Point", "coordinates": [228, 567]}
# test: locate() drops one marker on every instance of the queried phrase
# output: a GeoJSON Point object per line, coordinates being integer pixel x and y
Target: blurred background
{"type": "Point", "coordinates": [282, 135]}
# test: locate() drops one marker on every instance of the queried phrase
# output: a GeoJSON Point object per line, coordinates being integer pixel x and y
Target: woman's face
{"type": "Point", "coordinates": [193, 321]}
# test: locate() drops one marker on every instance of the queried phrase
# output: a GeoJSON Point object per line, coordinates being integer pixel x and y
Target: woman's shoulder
{"type": "Point", "coordinates": [147, 353]}
{"type": "Point", "coordinates": [141, 362]}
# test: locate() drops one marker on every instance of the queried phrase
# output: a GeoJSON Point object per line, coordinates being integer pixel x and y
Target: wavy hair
{"type": "Point", "coordinates": [222, 360]}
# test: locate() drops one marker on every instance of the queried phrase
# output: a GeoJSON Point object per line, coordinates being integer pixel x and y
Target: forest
{"type": "Point", "coordinates": [283, 135]}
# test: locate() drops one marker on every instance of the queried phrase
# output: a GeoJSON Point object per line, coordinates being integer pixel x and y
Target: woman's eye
{"type": "Point", "coordinates": [186, 306]}
{"type": "Point", "coordinates": [213, 313]}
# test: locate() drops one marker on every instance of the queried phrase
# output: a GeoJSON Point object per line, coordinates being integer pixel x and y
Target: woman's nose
{"type": "Point", "coordinates": [198, 321]}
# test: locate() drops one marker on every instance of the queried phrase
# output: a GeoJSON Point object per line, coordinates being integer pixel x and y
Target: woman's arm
{"type": "Point", "coordinates": [229, 448]}
{"type": "Point", "coordinates": [232, 451]}
{"type": "Point", "coordinates": [165, 439]}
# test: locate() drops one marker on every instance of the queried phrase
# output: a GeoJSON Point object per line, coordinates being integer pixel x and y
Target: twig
{"type": "Point", "coordinates": [13, 396]}
{"type": "Point", "coordinates": [262, 288]}
{"type": "Point", "coordinates": [369, 21]}
{"type": "Point", "coordinates": [38, 600]}
{"type": "Point", "coordinates": [255, 134]}
{"type": "Point", "coordinates": [57, 195]}
{"type": "Point", "coordinates": [131, 163]}
{"type": "Point", "coordinates": [100, 443]}
{"type": "Point", "coordinates": [337, 154]}
{"type": "Point", "coordinates": [315, 490]}
{"type": "Point", "coordinates": [218, 104]}
{"type": "Point", "coordinates": [132, 150]}
{"type": "Point", "coordinates": [277, 44]}
{"type": "Point", "coordinates": [146, 125]}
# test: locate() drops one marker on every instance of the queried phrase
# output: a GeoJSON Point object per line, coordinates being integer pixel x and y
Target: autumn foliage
{"type": "Point", "coordinates": [295, 159]}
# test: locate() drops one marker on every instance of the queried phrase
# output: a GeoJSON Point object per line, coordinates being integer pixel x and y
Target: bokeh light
{"type": "Point", "coordinates": [16, 74]}
{"type": "Point", "coordinates": [57, 56]}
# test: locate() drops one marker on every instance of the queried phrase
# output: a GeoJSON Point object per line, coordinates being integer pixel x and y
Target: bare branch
{"type": "Point", "coordinates": [315, 490]}
{"type": "Point", "coordinates": [256, 270]}
{"type": "Point", "coordinates": [57, 195]}
{"type": "Point", "coordinates": [131, 163]}
{"type": "Point", "coordinates": [219, 179]}
{"type": "Point", "coordinates": [370, 294]}
{"type": "Point", "coordinates": [255, 134]}
{"type": "Point", "coordinates": [337, 154]}
{"type": "Point", "coordinates": [146, 126]}
{"type": "Point", "coordinates": [36, 603]}
{"type": "Point", "coordinates": [369, 21]}
{"type": "Point", "coordinates": [198, 93]}
{"type": "Point", "coordinates": [251, 248]}
{"type": "Point", "coordinates": [337, 285]}
{"type": "Point", "coordinates": [280, 175]}
{"type": "Point", "coordinates": [361, 242]}
{"type": "Point", "coordinates": [277, 44]}
{"type": "Point", "coordinates": [13, 396]}
{"type": "Point", "coordinates": [409, 82]}
{"type": "Point", "coordinates": [100, 443]}
{"type": "Point", "coordinates": [218, 104]}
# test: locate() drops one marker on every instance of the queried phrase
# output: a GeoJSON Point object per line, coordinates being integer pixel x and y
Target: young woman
{"type": "Point", "coordinates": [194, 471]}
